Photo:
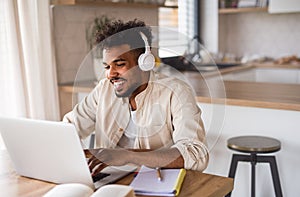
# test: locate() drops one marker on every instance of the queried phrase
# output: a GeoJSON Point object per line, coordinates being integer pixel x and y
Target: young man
{"type": "Point", "coordinates": [139, 116]}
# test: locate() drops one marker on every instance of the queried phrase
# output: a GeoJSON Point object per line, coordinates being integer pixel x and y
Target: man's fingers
{"type": "Point", "coordinates": [99, 168]}
{"type": "Point", "coordinates": [93, 162]}
{"type": "Point", "coordinates": [87, 153]}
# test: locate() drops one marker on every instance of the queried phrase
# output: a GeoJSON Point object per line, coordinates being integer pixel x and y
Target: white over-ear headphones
{"type": "Point", "coordinates": [146, 60]}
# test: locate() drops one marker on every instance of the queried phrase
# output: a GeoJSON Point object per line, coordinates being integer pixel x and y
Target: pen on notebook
{"type": "Point", "coordinates": [158, 172]}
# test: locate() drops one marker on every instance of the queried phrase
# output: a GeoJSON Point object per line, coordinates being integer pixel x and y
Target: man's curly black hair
{"type": "Point", "coordinates": [119, 32]}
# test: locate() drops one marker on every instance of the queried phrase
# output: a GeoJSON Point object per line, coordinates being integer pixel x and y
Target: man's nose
{"type": "Point", "coordinates": [112, 72]}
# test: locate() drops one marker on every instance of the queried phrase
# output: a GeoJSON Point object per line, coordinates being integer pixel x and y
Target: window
{"type": "Point", "coordinates": [178, 28]}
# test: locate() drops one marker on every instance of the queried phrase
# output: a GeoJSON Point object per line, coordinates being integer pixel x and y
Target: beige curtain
{"type": "Point", "coordinates": [27, 67]}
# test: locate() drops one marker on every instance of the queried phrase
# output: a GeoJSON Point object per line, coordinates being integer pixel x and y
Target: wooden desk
{"type": "Point", "coordinates": [195, 183]}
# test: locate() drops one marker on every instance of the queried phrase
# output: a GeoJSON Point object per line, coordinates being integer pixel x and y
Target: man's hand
{"type": "Point", "coordinates": [101, 158]}
{"type": "Point", "coordinates": [165, 158]}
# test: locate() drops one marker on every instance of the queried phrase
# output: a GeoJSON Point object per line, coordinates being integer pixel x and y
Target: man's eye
{"type": "Point", "coordinates": [120, 64]}
{"type": "Point", "coordinates": [106, 67]}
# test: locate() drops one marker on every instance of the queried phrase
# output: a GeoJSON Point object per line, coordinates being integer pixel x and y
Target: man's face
{"type": "Point", "coordinates": [122, 70]}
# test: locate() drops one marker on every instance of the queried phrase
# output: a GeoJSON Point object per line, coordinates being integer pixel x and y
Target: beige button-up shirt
{"type": "Point", "coordinates": [167, 115]}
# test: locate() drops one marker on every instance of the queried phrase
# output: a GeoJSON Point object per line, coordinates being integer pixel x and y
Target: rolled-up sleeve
{"type": "Point", "coordinates": [194, 153]}
{"type": "Point", "coordinates": [189, 134]}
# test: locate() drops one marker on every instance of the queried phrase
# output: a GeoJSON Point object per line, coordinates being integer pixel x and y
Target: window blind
{"type": "Point", "coordinates": [177, 27]}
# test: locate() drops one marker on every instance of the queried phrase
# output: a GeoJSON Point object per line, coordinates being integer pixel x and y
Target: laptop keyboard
{"type": "Point", "coordinates": [99, 176]}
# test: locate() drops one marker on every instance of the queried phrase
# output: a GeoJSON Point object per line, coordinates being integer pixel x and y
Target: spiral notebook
{"type": "Point", "coordinates": [147, 183]}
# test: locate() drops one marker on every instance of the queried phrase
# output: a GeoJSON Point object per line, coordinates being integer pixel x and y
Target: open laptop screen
{"type": "Point", "coordinates": [51, 151]}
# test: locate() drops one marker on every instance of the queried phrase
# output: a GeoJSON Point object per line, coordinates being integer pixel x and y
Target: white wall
{"type": "Point", "coordinates": [281, 124]}
{"type": "Point", "coordinates": [279, 6]}
{"type": "Point", "coordinates": [272, 35]}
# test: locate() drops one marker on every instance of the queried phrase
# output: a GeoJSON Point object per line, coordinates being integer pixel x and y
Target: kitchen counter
{"type": "Point", "coordinates": [241, 92]}
{"type": "Point", "coordinates": [284, 96]}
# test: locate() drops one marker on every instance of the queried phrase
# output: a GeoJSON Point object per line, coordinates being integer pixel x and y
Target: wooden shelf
{"type": "Point", "coordinates": [108, 3]}
{"type": "Point", "coordinates": [241, 10]}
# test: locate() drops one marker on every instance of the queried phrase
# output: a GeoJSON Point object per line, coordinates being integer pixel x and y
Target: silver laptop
{"type": "Point", "coordinates": [51, 151]}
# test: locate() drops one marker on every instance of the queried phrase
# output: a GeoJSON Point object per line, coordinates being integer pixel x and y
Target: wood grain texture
{"type": "Point", "coordinates": [198, 184]}
{"type": "Point", "coordinates": [195, 183]}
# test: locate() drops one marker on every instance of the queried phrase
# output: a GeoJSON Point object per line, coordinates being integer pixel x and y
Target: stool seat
{"type": "Point", "coordinates": [257, 144]}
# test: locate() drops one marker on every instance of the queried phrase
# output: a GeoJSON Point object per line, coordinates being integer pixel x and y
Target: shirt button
{"type": "Point", "coordinates": [121, 129]}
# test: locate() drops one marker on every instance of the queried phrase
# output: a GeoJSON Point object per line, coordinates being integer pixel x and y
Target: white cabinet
{"type": "Point", "coordinates": [280, 6]}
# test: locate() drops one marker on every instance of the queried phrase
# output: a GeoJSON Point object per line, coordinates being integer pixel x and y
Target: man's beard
{"type": "Point", "coordinates": [127, 93]}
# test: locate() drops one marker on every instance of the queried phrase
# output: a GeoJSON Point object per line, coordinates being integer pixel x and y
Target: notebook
{"type": "Point", "coordinates": [51, 151]}
{"type": "Point", "coordinates": [147, 183]}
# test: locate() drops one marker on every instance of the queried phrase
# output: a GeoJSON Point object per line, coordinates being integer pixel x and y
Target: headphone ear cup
{"type": "Point", "coordinates": [146, 61]}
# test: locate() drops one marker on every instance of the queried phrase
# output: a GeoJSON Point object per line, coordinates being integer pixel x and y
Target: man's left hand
{"type": "Point", "coordinates": [101, 158]}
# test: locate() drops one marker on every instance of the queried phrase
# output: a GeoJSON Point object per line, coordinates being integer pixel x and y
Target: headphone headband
{"type": "Point", "coordinates": [147, 46]}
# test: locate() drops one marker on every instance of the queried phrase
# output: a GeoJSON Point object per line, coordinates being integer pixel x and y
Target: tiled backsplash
{"type": "Point", "coordinates": [272, 35]}
{"type": "Point", "coordinates": [69, 26]}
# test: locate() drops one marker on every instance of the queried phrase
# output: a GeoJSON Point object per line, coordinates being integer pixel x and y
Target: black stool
{"type": "Point", "coordinates": [255, 145]}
